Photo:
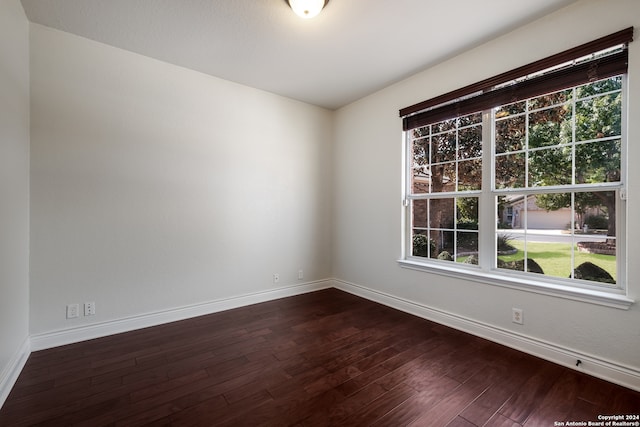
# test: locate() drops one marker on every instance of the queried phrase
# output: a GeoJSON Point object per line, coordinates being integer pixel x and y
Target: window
{"type": "Point", "coordinates": [446, 179]}
{"type": "Point", "coordinates": [523, 179]}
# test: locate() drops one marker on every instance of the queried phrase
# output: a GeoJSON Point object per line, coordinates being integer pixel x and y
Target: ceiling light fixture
{"type": "Point", "coordinates": [307, 8]}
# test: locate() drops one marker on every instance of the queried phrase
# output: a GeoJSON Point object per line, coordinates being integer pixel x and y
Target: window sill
{"type": "Point", "coordinates": [609, 299]}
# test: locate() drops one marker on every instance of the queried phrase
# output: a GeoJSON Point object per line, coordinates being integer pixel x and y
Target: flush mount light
{"type": "Point", "coordinates": [307, 8]}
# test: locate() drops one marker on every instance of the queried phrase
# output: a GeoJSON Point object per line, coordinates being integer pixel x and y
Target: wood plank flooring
{"type": "Point", "coordinates": [325, 358]}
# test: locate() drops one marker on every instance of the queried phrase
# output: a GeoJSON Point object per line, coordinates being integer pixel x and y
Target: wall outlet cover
{"type": "Point", "coordinates": [517, 316]}
{"type": "Point", "coordinates": [73, 311]}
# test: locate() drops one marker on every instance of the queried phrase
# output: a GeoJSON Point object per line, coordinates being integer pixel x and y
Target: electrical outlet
{"type": "Point", "coordinates": [276, 278]}
{"type": "Point", "coordinates": [517, 316]}
{"type": "Point", "coordinates": [73, 310]}
{"type": "Point", "coordinates": [89, 308]}
{"type": "Point", "coordinates": [300, 274]}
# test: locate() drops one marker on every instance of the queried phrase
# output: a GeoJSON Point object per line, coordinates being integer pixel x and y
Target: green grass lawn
{"type": "Point", "coordinates": [555, 258]}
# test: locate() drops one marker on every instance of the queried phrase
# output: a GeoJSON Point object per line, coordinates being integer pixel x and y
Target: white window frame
{"type": "Point", "coordinates": [485, 272]}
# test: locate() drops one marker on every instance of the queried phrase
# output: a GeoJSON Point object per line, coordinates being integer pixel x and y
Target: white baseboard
{"type": "Point", "coordinates": [97, 330]}
{"type": "Point", "coordinates": [591, 365]}
{"type": "Point", "coordinates": [9, 375]}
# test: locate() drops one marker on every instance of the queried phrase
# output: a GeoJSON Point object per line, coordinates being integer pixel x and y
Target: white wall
{"type": "Point", "coordinates": [155, 187]}
{"type": "Point", "coordinates": [14, 186]}
{"type": "Point", "coordinates": [368, 176]}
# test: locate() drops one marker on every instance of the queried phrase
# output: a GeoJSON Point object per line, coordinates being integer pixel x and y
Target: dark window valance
{"type": "Point", "coordinates": [484, 95]}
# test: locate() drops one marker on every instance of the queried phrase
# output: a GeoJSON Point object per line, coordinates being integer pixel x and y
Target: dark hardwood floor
{"type": "Point", "coordinates": [319, 359]}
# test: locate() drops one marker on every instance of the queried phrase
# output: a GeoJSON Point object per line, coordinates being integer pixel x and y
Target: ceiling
{"type": "Point", "coordinates": [353, 48]}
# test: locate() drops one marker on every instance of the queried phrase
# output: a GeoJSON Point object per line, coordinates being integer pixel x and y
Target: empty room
{"type": "Point", "coordinates": [314, 213]}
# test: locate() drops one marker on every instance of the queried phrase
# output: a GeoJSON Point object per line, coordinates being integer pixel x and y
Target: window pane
{"type": "Point", "coordinates": [596, 259]}
{"type": "Point", "coordinates": [601, 86]}
{"type": "Point", "coordinates": [470, 175]}
{"type": "Point", "coordinates": [596, 210]}
{"type": "Point", "coordinates": [421, 181]}
{"type": "Point", "coordinates": [420, 221]}
{"type": "Point", "coordinates": [466, 229]}
{"type": "Point", "coordinates": [511, 109]}
{"type": "Point", "coordinates": [550, 99]}
{"type": "Point", "coordinates": [598, 162]}
{"type": "Point", "coordinates": [420, 132]}
{"type": "Point", "coordinates": [420, 213]}
{"type": "Point", "coordinates": [508, 216]}
{"type": "Point", "coordinates": [551, 166]}
{"type": "Point", "coordinates": [599, 117]}
{"type": "Point", "coordinates": [421, 244]}
{"type": "Point", "coordinates": [443, 126]}
{"type": "Point", "coordinates": [510, 134]}
{"type": "Point", "coordinates": [466, 245]}
{"type": "Point", "coordinates": [443, 147]}
{"type": "Point", "coordinates": [467, 213]}
{"type": "Point", "coordinates": [547, 127]}
{"type": "Point", "coordinates": [510, 171]}
{"type": "Point", "coordinates": [466, 234]}
{"type": "Point", "coordinates": [443, 242]}
{"type": "Point", "coordinates": [443, 177]}
{"type": "Point", "coordinates": [548, 212]}
{"type": "Point", "coordinates": [470, 143]}
{"type": "Point", "coordinates": [471, 119]}
{"type": "Point", "coordinates": [442, 213]}
{"type": "Point", "coordinates": [421, 176]}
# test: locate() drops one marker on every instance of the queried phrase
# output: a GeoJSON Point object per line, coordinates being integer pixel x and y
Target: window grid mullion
{"type": "Point", "coordinates": [487, 208]}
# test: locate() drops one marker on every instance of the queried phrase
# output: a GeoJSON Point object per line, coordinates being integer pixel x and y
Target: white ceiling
{"type": "Point", "coordinates": [353, 48]}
